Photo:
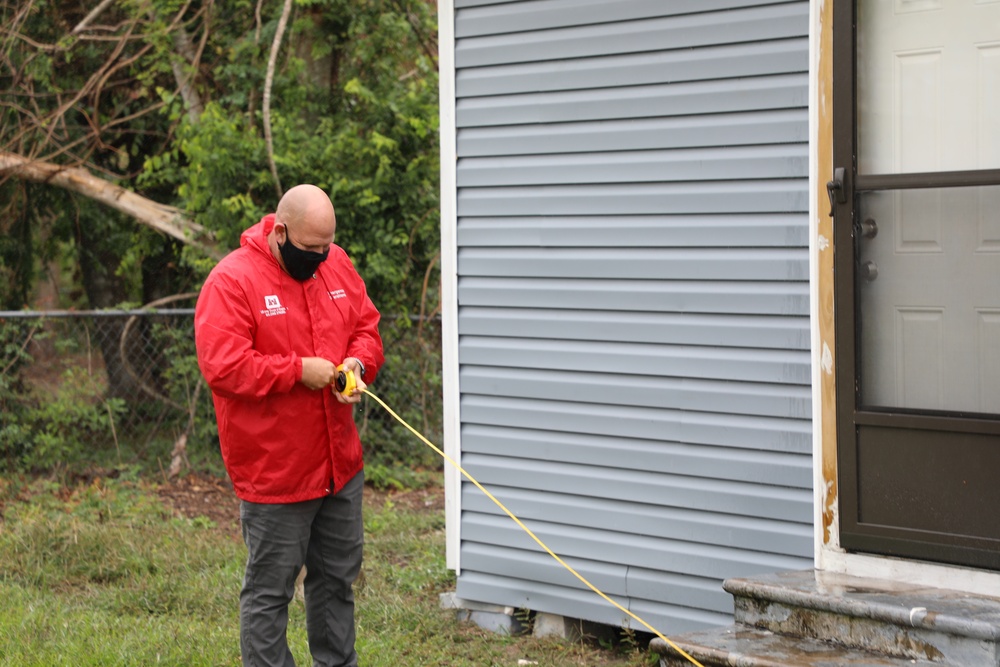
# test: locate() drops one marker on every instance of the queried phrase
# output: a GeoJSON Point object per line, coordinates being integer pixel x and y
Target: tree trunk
{"type": "Point", "coordinates": [160, 275]}
{"type": "Point", "coordinates": [166, 219]}
{"type": "Point", "coordinates": [185, 59]}
{"type": "Point", "coordinates": [105, 290]}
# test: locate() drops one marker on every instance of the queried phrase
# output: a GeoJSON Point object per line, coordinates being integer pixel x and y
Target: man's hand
{"type": "Point", "coordinates": [352, 364]}
{"type": "Point", "coordinates": [317, 372]}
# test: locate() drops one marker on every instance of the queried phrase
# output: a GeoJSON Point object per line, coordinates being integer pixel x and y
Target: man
{"type": "Point", "coordinates": [273, 321]}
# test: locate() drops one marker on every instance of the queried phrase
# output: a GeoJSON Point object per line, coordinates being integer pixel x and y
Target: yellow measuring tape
{"type": "Point", "coordinates": [528, 531]}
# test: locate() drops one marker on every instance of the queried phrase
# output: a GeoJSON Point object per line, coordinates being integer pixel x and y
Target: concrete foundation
{"type": "Point", "coordinates": [492, 617]}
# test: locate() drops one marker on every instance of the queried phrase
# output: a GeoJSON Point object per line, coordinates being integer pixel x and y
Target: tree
{"type": "Point", "coordinates": [162, 217]}
{"type": "Point", "coordinates": [157, 108]}
{"type": "Point", "coordinates": [154, 112]}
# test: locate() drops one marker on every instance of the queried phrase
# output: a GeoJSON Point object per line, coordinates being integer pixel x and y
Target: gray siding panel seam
{"type": "Point", "coordinates": [702, 329]}
{"type": "Point", "coordinates": [783, 502]}
{"type": "Point", "coordinates": [486, 17]}
{"type": "Point", "coordinates": [682, 32]}
{"type": "Point", "coordinates": [758, 264]}
{"type": "Point", "coordinates": [778, 196]}
{"type": "Point", "coordinates": [703, 560]}
{"type": "Point", "coordinates": [748, 230]}
{"type": "Point", "coordinates": [682, 361]}
{"type": "Point", "coordinates": [581, 603]}
{"type": "Point", "coordinates": [764, 93]}
{"type": "Point", "coordinates": [656, 456]}
{"type": "Point", "coordinates": [671, 425]}
{"type": "Point", "coordinates": [728, 129]}
{"type": "Point", "coordinates": [715, 62]}
{"type": "Point", "coordinates": [755, 533]}
{"type": "Point", "coordinates": [676, 165]}
{"type": "Point", "coordinates": [634, 582]}
{"type": "Point", "coordinates": [676, 296]}
{"type": "Point", "coordinates": [705, 396]}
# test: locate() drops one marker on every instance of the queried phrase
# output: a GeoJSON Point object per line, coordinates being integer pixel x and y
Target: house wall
{"type": "Point", "coordinates": [627, 300]}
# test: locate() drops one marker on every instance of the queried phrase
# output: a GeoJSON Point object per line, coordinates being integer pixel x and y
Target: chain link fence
{"type": "Point", "coordinates": [123, 388]}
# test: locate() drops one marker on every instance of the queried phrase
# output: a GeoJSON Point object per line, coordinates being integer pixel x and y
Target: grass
{"type": "Point", "coordinates": [101, 572]}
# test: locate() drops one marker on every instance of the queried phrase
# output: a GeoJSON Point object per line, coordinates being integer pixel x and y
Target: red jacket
{"type": "Point", "coordinates": [282, 442]}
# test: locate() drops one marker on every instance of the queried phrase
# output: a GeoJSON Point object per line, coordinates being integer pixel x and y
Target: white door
{"type": "Point", "coordinates": [928, 100]}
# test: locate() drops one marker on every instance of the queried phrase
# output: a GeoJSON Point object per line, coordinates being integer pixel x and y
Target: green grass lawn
{"type": "Point", "coordinates": [104, 573]}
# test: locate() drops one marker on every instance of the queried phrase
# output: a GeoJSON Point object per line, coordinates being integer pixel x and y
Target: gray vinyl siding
{"type": "Point", "coordinates": [634, 365]}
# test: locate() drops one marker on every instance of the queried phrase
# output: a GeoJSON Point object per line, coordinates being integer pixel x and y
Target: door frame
{"type": "Point", "coordinates": [851, 419]}
{"type": "Point", "coordinates": [829, 555]}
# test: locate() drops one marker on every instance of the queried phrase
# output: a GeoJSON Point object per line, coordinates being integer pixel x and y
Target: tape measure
{"type": "Point", "coordinates": [520, 523]}
{"type": "Point", "coordinates": [345, 382]}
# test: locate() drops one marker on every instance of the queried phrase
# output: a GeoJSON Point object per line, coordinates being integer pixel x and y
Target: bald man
{"type": "Point", "coordinates": [274, 320]}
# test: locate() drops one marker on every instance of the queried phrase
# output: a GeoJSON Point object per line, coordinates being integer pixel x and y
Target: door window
{"type": "Point", "coordinates": [928, 289]}
{"type": "Point", "coordinates": [928, 86]}
{"type": "Point", "coordinates": [928, 258]}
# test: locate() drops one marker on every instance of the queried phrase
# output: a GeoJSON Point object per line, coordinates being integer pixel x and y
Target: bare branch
{"type": "Point", "coordinates": [427, 42]}
{"type": "Point", "coordinates": [16, 356]}
{"type": "Point", "coordinates": [184, 60]}
{"type": "Point", "coordinates": [94, 13]}
{"type": "Point", "coordinates": [37, 45]}
{"type": "Point", "coordinates": [130, 369]}
{"type": "Point", "coordinates": [53, 118]}
{"type": "Point", "coordinates": [268, 80]}
{"type": "Point", "coordinates": [257, 22]}
{"type": "Point", "coordinates": [50, 126]}
{"type": "Point", "coordinates": [166, 219]}
{"type": "Point", "coordinates": [185, 57]}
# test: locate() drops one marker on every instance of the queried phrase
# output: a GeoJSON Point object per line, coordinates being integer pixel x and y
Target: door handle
{"type": "Point", "coordinates": [835, 189]}
{"type": "Point", "coordinates": [869, 271]}
{"type": "Point", "coordinates": [868, 228]}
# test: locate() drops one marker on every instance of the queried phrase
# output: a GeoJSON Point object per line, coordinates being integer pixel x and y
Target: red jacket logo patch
{"type": "Point", "coordinates": [272, 306]}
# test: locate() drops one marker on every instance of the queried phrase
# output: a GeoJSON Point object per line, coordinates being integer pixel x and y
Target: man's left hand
{"type": "Point", "coordinates": [353, 365]}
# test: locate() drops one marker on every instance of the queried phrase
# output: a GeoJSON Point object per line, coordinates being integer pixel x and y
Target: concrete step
{"type": "Point", "coordinates": [885, 617]}
{"type": "Point", "coordinates": [752, 647]}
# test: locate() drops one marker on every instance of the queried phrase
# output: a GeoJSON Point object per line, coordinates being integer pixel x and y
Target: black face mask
{"type": "Point", "coordinates": [301, 264]}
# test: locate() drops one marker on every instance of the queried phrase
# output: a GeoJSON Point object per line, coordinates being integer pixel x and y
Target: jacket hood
{"type": "Point", "coordinates": [256, 236]}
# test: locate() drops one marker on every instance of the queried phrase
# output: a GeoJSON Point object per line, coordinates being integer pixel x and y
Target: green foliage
{"type": "Point", "coordinates": [69, 420]}
{"type": "Point", "coordinates": [17, 268]}
{"type": "Point", "coordinates": [219, 152]}
{"type": "Point", "coordinates": [14, 338]}
{"type": "Point", "coordinates": [397, 477]}
{"type": "Point", "coordinates": [353, 109]}
{"type": "Point", "coordinates": [57, 413]}
{"type": "Point", "coordinates": [58, 430]}
{"type": "Point", "coordinates": [409, 383]}
{"type": "Point", "coordinates": [42, 431]}
{"type": "Point", "coordinates": [369, 137]}
{"type": "Point", "coordinates": [184, 384]}
{"type": "Point", "coordinates": [371, 142]}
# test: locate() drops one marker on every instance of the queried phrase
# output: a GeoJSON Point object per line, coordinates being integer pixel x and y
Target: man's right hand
{"type": "Point", "coordinates": [317, 372]}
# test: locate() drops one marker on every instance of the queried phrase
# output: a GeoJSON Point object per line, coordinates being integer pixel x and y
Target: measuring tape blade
{"type": "Point", "coordinates": [527, 530]}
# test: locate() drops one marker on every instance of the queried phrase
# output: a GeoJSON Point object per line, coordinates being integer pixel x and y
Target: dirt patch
{"type": "Point", "coordinates": [197, 495]}
{"type": "Point", "coordinates": [429, 499]}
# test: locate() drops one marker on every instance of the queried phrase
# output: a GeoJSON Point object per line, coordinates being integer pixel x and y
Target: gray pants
{"type": "Point", "coordinates": [326, 535]}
